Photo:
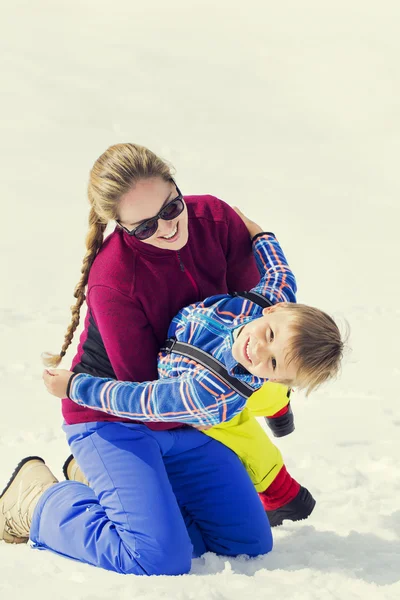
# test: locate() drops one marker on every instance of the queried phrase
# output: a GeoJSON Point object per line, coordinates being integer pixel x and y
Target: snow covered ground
{"type": "Point", "coordinates": [289, 110]}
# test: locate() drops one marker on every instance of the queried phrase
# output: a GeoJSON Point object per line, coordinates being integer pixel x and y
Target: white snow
{"type": "Point", "coordinates": [289, 110]}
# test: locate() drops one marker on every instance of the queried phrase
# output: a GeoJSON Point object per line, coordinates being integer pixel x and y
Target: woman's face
{"type": "Point", "coordinates": [144, 201]}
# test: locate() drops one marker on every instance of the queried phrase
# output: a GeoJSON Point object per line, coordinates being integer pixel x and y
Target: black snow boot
{"type": "Point", "coordinates": [297, 509]}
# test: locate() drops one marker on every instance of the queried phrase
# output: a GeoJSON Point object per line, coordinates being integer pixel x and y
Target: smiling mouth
{"type": "Point", "coordinates": [246, 351]}
{"type": "Point", "coordinates": [173, 236]}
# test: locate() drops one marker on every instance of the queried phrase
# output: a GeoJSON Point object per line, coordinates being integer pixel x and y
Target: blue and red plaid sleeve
{"type": "Point", "coordinates": [197, 397]}
{"type": "Point", "coordinates": [277, 283]}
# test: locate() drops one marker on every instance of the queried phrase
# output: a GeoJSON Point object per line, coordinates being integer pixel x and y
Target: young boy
{"type": "Point", "coordinates": [289, 343]}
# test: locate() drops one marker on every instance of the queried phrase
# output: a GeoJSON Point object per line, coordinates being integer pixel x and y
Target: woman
{"type": "Point", "coordinates": [157, 491]}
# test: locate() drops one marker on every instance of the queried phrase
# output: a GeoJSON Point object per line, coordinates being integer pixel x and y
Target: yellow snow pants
{"type": "Point", "coordinates": [244, 435]}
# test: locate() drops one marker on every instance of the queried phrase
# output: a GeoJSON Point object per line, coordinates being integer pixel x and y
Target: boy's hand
{"type": "Point", "coordinates": [56, 381]}
{"type": "Point", "coordinates": [252, 227]}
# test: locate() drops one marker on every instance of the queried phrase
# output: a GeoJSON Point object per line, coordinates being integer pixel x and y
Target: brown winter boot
{"type": "Point", "coordinates": [72, 470]}
{"type": "Point", "coordinates": [19, 498]}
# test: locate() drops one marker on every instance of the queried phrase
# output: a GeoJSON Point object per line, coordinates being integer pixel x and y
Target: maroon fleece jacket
{"type": "Point", "coordinates": [134, 291]}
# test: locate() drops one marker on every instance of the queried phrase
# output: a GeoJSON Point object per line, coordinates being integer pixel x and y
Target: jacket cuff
{"type": "Point", "coordinates": [282, 425]}
{"type": "Point", "coordinates": [253, 239]}
{"type": "Point", "coordinates": [70, 383]}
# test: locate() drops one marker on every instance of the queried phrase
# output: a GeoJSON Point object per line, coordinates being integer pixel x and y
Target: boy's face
{"type": "Point", "coordinates": [262, 345]}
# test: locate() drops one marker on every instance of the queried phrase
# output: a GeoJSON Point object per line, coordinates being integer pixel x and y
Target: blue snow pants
{"type": "Point", "coordinates": [156, 498]}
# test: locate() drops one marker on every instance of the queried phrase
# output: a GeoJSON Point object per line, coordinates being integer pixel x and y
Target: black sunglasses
{"type": "Point", "coordinates": [148, 228]}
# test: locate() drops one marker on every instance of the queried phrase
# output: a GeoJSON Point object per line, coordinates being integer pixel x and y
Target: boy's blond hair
{"type": "Point", "coordinates": [315, 346]}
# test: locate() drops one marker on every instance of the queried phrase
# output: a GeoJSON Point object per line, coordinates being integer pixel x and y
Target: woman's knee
{"type": "Point", "coordinates": [259, 540]}
{"type": "Point", "coordinates": [155, 558]}
{"type": "Point", "coordinates": [250, 547]}
{"type": "Point", "coordinates": [266, 543]}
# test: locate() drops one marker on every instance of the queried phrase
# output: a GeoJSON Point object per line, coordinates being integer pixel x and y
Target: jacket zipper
{"type": "Point", "coordinates": [182, 268]}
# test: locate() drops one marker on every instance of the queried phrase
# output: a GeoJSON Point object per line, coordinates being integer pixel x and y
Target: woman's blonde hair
{"type": "Point", "coordinates": [316, 346]}
{"type": "Point", "coordinates": [112, 176]}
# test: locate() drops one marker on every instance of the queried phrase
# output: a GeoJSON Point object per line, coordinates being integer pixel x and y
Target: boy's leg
{"type": "Point", "coordinates": [283, 489]}
{"type": "Point", "coordinates": [286, 499]}
{"type": "Point", "coordinates": [264, 463]}
{"type": "Point", "coordinates": [128, 520]}
{"type": "Point", "coordinates": [244, 435]}
{"type": "Point", "coordinates": [211, 484]}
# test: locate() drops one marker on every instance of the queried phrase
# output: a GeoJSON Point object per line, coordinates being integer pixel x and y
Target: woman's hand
{"type": "Point", "coordinates": [252, 227]}
{"type": "Point", "coordinates": [56, 381]}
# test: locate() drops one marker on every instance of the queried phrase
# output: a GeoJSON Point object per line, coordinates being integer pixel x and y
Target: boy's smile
{"type": "Point", "coordinates": [262, 345]}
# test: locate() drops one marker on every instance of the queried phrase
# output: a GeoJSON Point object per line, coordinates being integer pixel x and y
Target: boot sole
{"type": "Point", "coordinates": [17, 470]}
{"type": "Point", "coordinates": [279, 522]}
{"type": "Point", "coordinates": [285, 513]}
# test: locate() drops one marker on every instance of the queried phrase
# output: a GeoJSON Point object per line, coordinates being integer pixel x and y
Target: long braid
{"type": "Point", "coordinates": [113, 175]}
{"type": "Point", "coordinates": [94, 240]}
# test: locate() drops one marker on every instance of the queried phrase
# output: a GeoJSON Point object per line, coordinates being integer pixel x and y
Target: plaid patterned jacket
{"type": "Point", "coordinates": [186, 391]}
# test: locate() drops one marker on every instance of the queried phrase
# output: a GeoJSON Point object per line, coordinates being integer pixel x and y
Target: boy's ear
{"type": "Point", "coordinates": [270, 309]}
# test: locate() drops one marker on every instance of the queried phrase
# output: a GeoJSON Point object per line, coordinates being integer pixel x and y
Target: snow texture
{"type": "Point", "coordinates": [289, 110]}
